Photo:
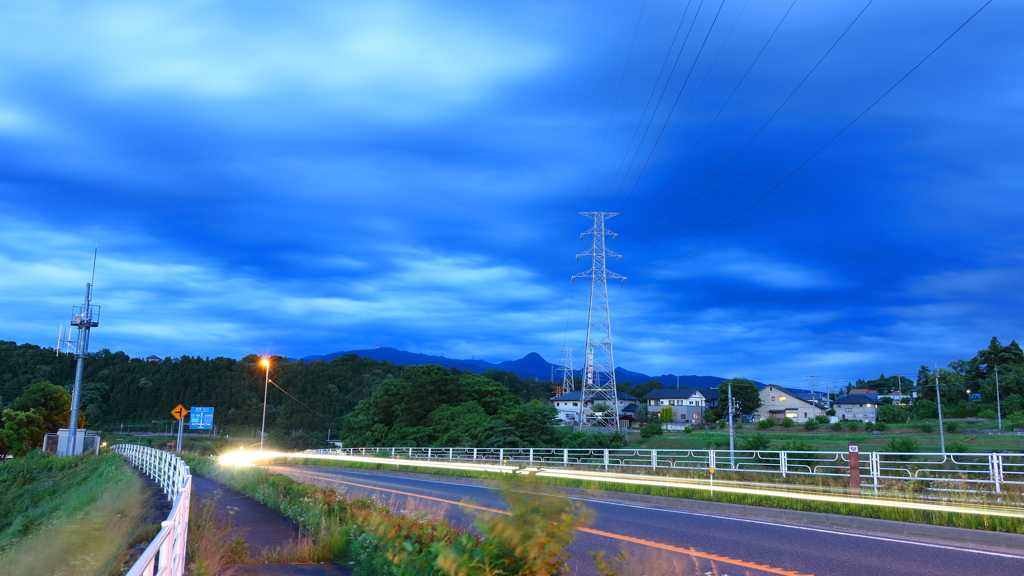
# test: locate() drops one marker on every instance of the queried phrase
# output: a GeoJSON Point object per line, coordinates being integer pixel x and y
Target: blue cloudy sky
{"type": "Point", "coordinates": [305, 177]}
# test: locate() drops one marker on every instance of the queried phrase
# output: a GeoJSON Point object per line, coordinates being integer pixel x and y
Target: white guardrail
{"type": "Point", "coordinates": [970, 472]}
{"type": "Point", "coordinates": [165, 555]}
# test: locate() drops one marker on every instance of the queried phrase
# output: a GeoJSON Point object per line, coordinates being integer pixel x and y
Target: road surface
{"type": "Point", "coordinates": [666, 541]}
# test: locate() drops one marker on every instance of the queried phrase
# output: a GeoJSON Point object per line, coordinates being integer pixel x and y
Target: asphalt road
{"type": "Point", "coordinates": [663, 541]}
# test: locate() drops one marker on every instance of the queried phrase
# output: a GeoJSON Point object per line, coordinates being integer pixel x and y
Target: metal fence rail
{"type": "Point", "coordinates": [165, 555]}
{"type": "Point", "coordinates": [971, 472]}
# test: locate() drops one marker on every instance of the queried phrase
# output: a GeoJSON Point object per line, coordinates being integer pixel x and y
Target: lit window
{"type": "Point", "coordinates": [790, 414]}
{"type": "Point", "coordinates": [696, 416]}
{"type": "Point", "coordinates": [782, 398]}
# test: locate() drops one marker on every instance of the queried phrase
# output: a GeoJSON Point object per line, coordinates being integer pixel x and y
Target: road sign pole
{"type": "Point", "coordinates": [181, 427]}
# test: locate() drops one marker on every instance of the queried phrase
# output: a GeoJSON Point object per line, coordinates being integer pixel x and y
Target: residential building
{"type": "Point", "coordinates": [778, 403]}
{"type": "Point", "coordinates": [688, 404]}
{"type": "Point", "coordinates": [568, 406]}
{"type": "Point", "coordinates": [856, 407]}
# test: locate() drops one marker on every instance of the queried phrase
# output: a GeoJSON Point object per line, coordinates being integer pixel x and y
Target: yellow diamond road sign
{"type": "Point", "coordinates": [179, 412]}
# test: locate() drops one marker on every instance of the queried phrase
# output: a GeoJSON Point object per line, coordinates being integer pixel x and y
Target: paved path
{"type": "Point", "coordinates": [663, 540]}
{"type": "Point", "coordinates": [263, 529]}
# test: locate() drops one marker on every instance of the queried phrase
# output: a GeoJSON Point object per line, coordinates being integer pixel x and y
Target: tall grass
{"type": "Point", "coordinates": [69, 516]}
{"type": "Point", "coordinates": [376, 540]}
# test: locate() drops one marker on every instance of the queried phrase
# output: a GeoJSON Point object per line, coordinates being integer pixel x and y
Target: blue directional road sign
{"type": "Point", "coordinates": [202, 419]}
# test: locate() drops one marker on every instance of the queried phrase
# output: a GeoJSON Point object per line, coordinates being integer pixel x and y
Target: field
{"type": "Point", "coordinates": [825, 439]}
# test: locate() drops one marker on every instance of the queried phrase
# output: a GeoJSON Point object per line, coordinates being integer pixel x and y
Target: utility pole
{"type": "Point", "coordinates": [599, 360]}
{"type": "Point", "coordinates": [677, 382]}
{"type": "Point", "coordinates": [899, 382]}
{"type": "Point", "coordinates": [732, 433]}
{"type": "Point", "coordinates": [85, 317]}
{"type": "Point", "coordinates": [938, 402]}
{"type": "Point", "coordinates": [266, 385]}
{"type": "Point", "coordinates": [812, 384]}
{"type": "Point", "coordinates": [999, 407]}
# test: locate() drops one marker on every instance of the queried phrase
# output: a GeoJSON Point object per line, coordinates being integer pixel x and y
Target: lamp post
{"type": "Point", "coordinates": [266, 382]}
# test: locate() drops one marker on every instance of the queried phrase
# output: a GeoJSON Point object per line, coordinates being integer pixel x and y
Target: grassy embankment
{"type": "Point", "coordinates": [70, 515]}
{"type": "Point", "coordinates": [902, 514]}
{"type": "Point", "coordinates": [375, 540]}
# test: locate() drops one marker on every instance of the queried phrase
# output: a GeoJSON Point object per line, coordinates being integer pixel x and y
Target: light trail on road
{"type": "Point", "coordinates": [247, 458]}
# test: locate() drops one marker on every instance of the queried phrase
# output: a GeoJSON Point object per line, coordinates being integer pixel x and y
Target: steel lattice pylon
{"type": "Point", "coordinates": [568, 379]}
{"type": "Point", "coordinates": [598, 360]}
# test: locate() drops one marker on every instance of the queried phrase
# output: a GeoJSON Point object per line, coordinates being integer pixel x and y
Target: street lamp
{"type": "Point", "coordinates": [266, 382]}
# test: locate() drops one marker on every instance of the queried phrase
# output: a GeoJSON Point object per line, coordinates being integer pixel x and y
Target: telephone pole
{"type": "Point", "coordinates": [938, 402]}
{"type": "Point", "coordinates": [599, 361]}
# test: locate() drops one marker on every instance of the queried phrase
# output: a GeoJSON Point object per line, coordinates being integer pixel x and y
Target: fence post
{"type": "Point", "coordinates": [392, 452]}
{"type": "Point", "coordinates": [565, 457]}
{"type": "Point", "coordinates": [474, 454]}
{"type": "Point", "coordinates": [501, 455]}
{"type": "Point", "coordinates": [995, 464]}
{"type": "Point", "coordinates": [783, 463]}
{"type": "Point", "coordinates": [428, 454]}
{"type": "Point", "coordinates": [451, 454]}
{"type": "Point", "coordinates": [605, 459]}
{"type": "Point", "coordinates": [711, 459]}
{"type": "Point", "coordinates": [875, 469]}
{"type": "Point", "coordinates": [531, 456]}
{"type": "Point", "coordinates": [654, 459]}
{"type": "Point", "coordinates": [854, 456]}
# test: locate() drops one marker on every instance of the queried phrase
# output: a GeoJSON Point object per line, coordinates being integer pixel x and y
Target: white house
{"type": "Point", "coordinates": [568, 406]}
{"type": "Point", "coordinates": [777, 403]}
{"type": "Point", "coordinates": [688, 404]}
{"type": "Point", "coordinates": [856, 407]}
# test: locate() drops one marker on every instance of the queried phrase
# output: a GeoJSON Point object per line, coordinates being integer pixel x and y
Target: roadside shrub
{"type": "Point", "coordinates": [723, 423]}
{"type": "Point", "coordinates": [926, 427]}
{"type": "Point", "coordinates": [822, 419]}
{"type": "Point", "coordinates": [688, 429]}
{"type": "Point", "coordinates": [766, 423]}
{"type": "Point", "coordinates": [758, 441]}
{"type": "Point", "coordinates": [901, 444]}
{"type": "Point", "coordinates": [958, 447]}
{"type": "Point", "coordinates": [880, 427]}
{"type": "Point", "coordinates": [988, 413]}
{"type": "Point", "coordinates": [951, 426]}
{"type": "Point", "coordinates": [853, 425]}
{"type": "Point", "coordinates": [382, 453]}
{"type": "Point", "coordinates": [869, 426]}
{"type": "Point", "coordinates": [811, 425]}
{"type": "Point", "coordinates": [837, 426]}
{"type": "Point", "coordinates": [787, 422]}
{"type": "Point", "coordinates": [651, 429]}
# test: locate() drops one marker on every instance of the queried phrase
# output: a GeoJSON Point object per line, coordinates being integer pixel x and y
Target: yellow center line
{"type": "Point", "coordinates": [687, 551]}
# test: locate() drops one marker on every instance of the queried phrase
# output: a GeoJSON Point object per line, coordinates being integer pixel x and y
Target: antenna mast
{"type": "Point", "coordinates": [599, 362]}
{"type": "Point", "coordinates": [85, 317]}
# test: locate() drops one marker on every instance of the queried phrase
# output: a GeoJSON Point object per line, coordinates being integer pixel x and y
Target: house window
{"type": "Point", "coordinates": [790, 414]}
{"type": "Point", "coordinates": [849, 409]}
{"type": "Point", "coordinates": [665, 403]}
{"type": "Point", "coordinates": [805, 414]}
{"type": "Point", "coordinates": [782, 398]}
{"type": "Point", "coordinates": [696, 416]}
{"type": "Point", "coordinates": [773, 398]}
{"type": "Point", "coordinates": [575, 403]}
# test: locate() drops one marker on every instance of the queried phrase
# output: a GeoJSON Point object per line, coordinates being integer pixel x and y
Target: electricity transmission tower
{"type": "Point", "coordinates": [568, 381]}
{"type": "Point", "coordinates": [83, 317]}
{"type": "Point", "coordinates": [599, 362]}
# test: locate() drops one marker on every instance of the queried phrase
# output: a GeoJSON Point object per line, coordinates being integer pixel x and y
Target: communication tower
{"type": "Point", "coordinates": [599, 362]}
{"type": "Point", "coordinates": [84, 317]}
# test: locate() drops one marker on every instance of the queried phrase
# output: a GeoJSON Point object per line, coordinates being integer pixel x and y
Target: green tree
{"type": "Point", "coordinates": [20, 432]}
{"type": "Point", "coordinates": [666, 414]}
{"type": "Point", "coordinates": [744, 391]}
{"type": "Point", "coordinates": [651, 429]}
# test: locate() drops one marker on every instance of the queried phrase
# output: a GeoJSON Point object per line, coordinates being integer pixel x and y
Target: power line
{"type": "Point", "coordinates": [654, 89]}
{"type": "Point", "coordinates": [825, 145]}
{"type": "Point", "coordinates": [297, 400]}
{"type": "Point", "coordinates": [715, 119]}
{"type": "Point", "coordinates": [668, 117]}
{"type": "Point", "coordinates": [759, 130]}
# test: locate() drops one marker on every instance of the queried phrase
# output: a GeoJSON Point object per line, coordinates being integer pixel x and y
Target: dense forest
{"type": "Point", "coordinates": [118, 389]}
